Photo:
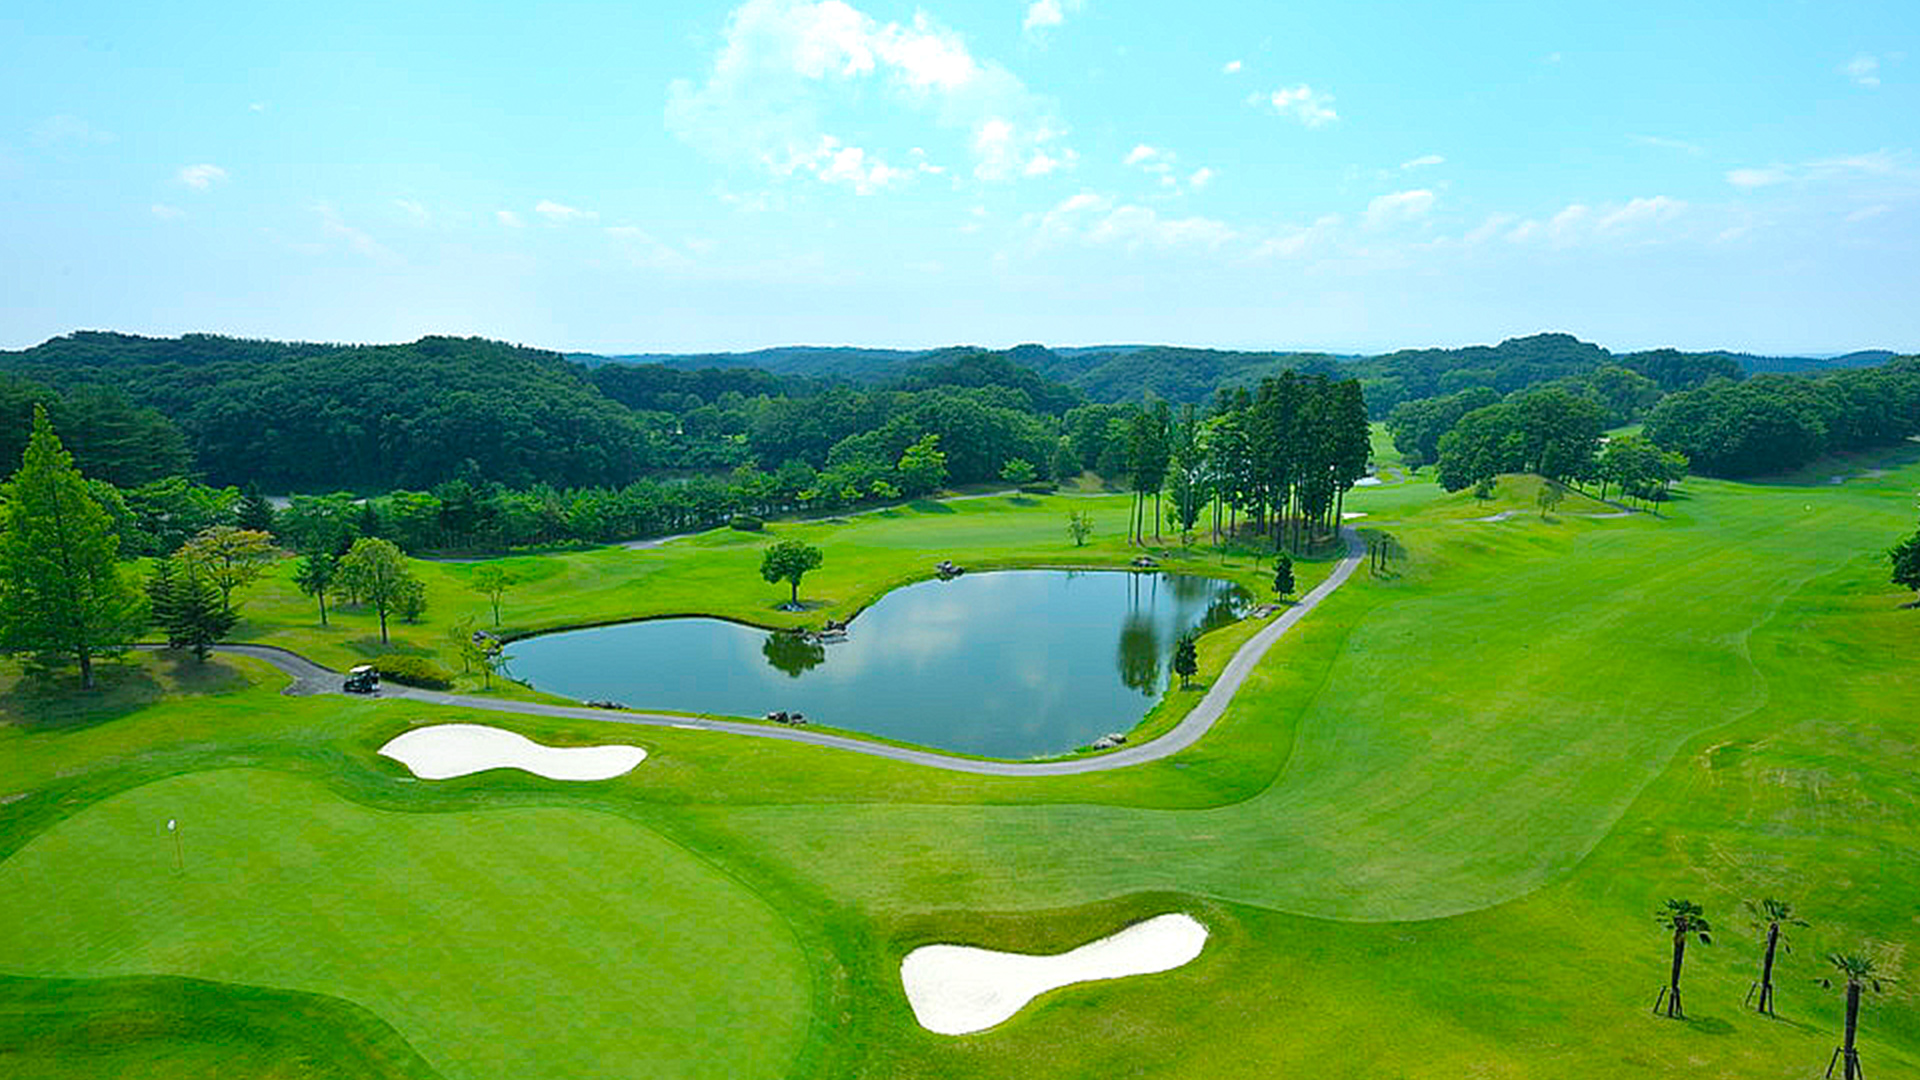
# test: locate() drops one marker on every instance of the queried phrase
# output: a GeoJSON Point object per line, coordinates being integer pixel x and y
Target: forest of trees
{"type": "Point", "coordinates": [1776, 423]}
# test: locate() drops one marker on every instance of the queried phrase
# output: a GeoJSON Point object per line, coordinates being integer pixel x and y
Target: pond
{"type": "Point", "coordinates": [1014, 664]}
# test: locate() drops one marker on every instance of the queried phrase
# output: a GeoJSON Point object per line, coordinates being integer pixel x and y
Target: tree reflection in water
{"type": "Point", "coordinates": [794, 654]}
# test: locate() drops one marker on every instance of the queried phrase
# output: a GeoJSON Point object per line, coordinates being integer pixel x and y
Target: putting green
{"type": "Point", "coordinates": [531, 942]}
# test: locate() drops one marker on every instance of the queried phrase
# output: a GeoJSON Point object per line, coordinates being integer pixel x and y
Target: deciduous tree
{"type": "Point", "coordinates": [376, 572]}
{"type": "Point", "coordinates": [789, 561]}
{"type": "Point", "coordinates": [492, 582]}
{"type": "Point", "coordinates": [230, 557]}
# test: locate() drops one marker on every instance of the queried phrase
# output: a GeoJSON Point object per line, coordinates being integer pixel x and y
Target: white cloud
{"type": "Point", "coordinates": [1398, 207]}
{"type": "Point", "coordinates": [1753, 178]}
{"type": "Point", "coordinates": [1668, 144]}
{"type": "Point", "coordinates": [510, 219]}
{"type": "Point", "coordinates": [414, 210]}
{"type": "Point", "coordinates": [1143, 154]}
{"type": "Point", "coordinates": [1232, 67]}
{"type": "Point", "coordinates": [1303, 103]}
{"type": "Point", "coordinates": [1864, 70]}
{"type": "Point", "coordinates": [1641, 211]}
{"type": "Point", "coordinates": [786, 66]}
{"type": "Point", "coordinates": [258, 106]}
{"type": "Point", "coordinates": [1868, 213]}
{"type": "Point", "coordinates": [1635, 221]}
{"type": "Point", "coordinates": [202, 177]}
{"type": "Point", "coordinates": [1096, 219]}
{"type": "Point", "coordinates": [560, 213]}
{"type": "Point", "coordinates": [1487, 229]}
{"type": "Point", "coordinates": [1200, 178]}
{"type": "Point", "coordinates": [167, 213]}
{"type": "Point", "coordinates": [1422, 162]}
{"type": "Point", "coordinates": [1046, 14]}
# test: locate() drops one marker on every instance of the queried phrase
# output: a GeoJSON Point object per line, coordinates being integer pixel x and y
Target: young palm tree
{"type": "Point", "coordinates": [1685, 918]}
{"type": "Point", "coordinates": [1859, 973]}
{"type": "Point", "coordinates": [1770, 915]}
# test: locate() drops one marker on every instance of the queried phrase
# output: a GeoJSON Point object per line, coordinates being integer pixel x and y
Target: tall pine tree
{"type": "Point", "coordinates": [61, 592]}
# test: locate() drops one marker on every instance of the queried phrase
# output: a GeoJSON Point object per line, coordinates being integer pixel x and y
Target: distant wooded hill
{"type": "Point", "coordinates": [1112, 373]}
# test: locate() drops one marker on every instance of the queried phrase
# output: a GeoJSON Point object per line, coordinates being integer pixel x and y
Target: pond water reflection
{"type": "Point", "coordinates": [1009, 664]}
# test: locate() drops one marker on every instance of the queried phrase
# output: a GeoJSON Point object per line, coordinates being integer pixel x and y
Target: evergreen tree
{"type": "Point", "coordinates": [188, 608]}
{"type": "Point", "coordinates": [1186, 662]}
{"type": "Point", "coordinates": [61, 591]}
{"type": "Point", "coordinates": [254, 512]}
{"type": "Point", "coordinates": [1282, 574]}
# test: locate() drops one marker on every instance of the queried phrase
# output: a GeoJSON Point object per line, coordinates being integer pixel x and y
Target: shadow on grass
{"type": "Point", "coordinates": [931, 506]}
{"type": "Point", "coordinates": [53, 701]}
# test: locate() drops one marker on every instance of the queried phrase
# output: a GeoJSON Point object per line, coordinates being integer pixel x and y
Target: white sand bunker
{"type": "Point", "coordinates": [958, 989]}
{"type": "Point", "coordinates": [444, 751]}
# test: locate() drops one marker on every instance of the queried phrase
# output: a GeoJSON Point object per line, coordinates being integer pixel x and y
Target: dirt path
{"type": "Point", "coordinates": [311, 678]}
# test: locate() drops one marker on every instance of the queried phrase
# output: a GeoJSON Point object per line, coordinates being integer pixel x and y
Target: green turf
{"type": "Point", "coordinates": [1429, 835]}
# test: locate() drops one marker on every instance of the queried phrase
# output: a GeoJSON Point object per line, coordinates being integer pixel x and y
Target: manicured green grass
{"type": "Point", "coordinates": [537, 941]}
{"type": "Point", "coordinates": [1428, 836]}
{"type": "Point", "coordinates": [718, 573]}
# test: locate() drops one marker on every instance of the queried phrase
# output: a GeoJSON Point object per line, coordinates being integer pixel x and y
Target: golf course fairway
{"type": "Point", "coordinates": [1427, 837]}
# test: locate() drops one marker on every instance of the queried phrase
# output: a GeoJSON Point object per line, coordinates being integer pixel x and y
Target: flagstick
{"type": "Point", "coordinates": [179, 860]}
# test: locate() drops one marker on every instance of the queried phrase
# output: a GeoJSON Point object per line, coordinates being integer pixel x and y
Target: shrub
{"type": "Point", "coordinates": [413, 671]}
{"type": "Point", "coordinates": [746, 523]}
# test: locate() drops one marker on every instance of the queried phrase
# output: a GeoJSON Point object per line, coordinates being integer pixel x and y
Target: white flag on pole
{"type": "Point", "coordinates": [170, 824]}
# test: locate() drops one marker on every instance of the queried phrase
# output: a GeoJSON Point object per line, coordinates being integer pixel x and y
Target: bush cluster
{"type": "Point", "coordinates": [413, 671]}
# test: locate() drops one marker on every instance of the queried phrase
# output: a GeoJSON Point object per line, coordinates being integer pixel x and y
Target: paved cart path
{"type": "Point", "coordinates": [311, 678]}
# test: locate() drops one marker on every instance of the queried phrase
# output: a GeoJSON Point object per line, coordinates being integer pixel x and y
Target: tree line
{"type": "Point", "coordinates": [1776, 423]}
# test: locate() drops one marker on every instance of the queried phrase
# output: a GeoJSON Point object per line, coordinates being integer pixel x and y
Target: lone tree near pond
{"type": "Point", "coordinates": [789, 561]}
{"type": "Point", "coordinates": [492, 582]}
{"type": "Point", "coordinates": [1282, 573]}
{"type": "Point", "coordinates": [1079, 526]}
{"type": "Point", "coordinates": [1186, 661]}
{"type": "Point", "coordinates": [1860, 974]}
{"type": "Point", "coordinates": [1684, 918]}
{"type": "Point", "coordinates": [61, 592]}
{"type": "Point", "coordinates": [1769, 916]}
{"type": "Point", "coordinates": [375, 571]}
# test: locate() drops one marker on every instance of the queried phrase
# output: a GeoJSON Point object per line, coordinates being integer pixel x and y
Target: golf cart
{"type": "Point", "coordinates": [362, 680]}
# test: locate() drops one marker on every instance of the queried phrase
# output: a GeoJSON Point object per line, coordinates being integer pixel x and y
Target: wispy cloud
{"type": "Point", "coordinates": [641, 248]}
{"type": "Point", "coordinates": [1200, 178]}
{"type": "Point", "coordinates": [1099, 220]}
{"type": "Point", "coordinates": [1635, 221]}
{"type": "Point", "coordinates": [414, 210]}
{"type": "Point", "coordinates": [560, 213]}
{"type": "Point", "coordinates": [1232, 67]}
{"type": "Point", "coordinates": [357, 240]}
{"type": "Point", "coordinates": [1423, 161]}
{"type": "Point", "coordinates": [167, 213]}
{"type": "Point", "coordinates": [1877, 164]}
{"type": "Point", "coordinates": [201, 177]}
{"type": "Point", "coordinates": [1868, 213]}
{"type": "Point", "coordinates": [1864, 70]}
{"type": "Point", "coordinates": [1303, 103]}
{"type": "Point", "coordinates": [1400, 206]}
{"type": "Point", "coordinates": [786, 67]}
{"type": "Point", "coordinates": [510, 219]}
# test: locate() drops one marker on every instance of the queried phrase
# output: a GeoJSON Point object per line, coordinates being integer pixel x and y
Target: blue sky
{"type": "Point", "coordinates": [652, 176]}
